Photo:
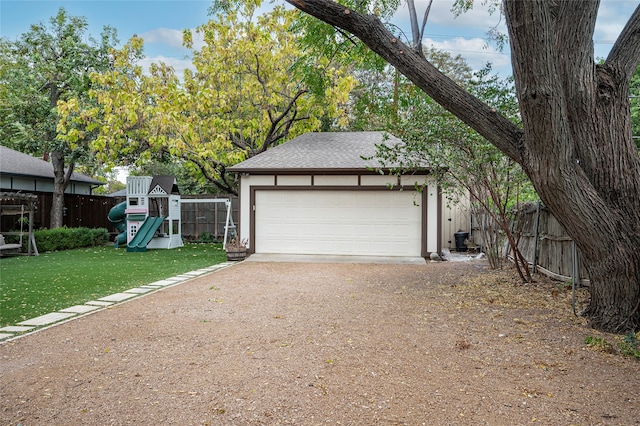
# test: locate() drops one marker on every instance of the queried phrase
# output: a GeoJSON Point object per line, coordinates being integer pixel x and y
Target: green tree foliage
{"type": "Point", "coordinates": [245, 94]}
{"type": "Point", "coordinates": [48, 64]}
{"type": "Point", "coordinates": [467, 164]}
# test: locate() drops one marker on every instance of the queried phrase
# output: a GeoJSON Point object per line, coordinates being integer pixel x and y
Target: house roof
{"type": "Point", "coordinates": [119, 193]}
{"type": "Point", "coordinates": [16, 163]}
{"type": "Point", "coordinates": [321, 151]}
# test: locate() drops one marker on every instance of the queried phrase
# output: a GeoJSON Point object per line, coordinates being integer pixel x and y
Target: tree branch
{"type": "Point", "coordinates": [273, 135]}
{"type": "Point", "coordinates": [625, 53]}
{"type": "Point", "coordinates": [505, 135]}
{"type": "Point", "coordinates": [222, 183]}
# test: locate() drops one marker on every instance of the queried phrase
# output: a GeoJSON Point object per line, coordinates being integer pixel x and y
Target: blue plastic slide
{"type": "Point", "coordinates": [145, 234]}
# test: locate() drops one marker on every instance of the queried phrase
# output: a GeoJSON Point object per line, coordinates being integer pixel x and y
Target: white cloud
{"type": "Point", "coordinates": [475, 51]}
{"type": "Point", "coordinates": [165, 45]}
{"type": "Point", "coordinates": [612, 17]}
{"type": "Point", "coordinates": [465, 35]}
{"type": "Point", "coordinates": [171, 38]}
{"type": "Point", "coordinates": [179, 65]}
{"type": "Point", "coordinates": [478, 19]}
{"type": "Point", "coordinates": [166, 36]}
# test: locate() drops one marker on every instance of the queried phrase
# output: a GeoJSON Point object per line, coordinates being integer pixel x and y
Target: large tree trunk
{"type": "Point", "coordinates": [579, 152]}
{"type": "Point", "coordinates": [575, 143]}
{"type": "Point", "coordinates": [60, 182]}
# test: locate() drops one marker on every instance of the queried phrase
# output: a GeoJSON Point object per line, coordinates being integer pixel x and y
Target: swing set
{"type": "Point", "coordinates": [20, 205]}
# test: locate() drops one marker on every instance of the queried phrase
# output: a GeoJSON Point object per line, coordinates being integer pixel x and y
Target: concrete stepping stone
{"type": "Point", "coordinates": [193, 273]}
{"type": "Point", "coordinates": [80, 309]}
{"type": "Point", "coordinates": [138, 290]}
{"type": "Point", "coordinates": [180, 278]}
{"type": "Point", "coordinates": [175, 279]}
{"type": "Point", "coordinates": [5, 336]}
{"type": "Point", "coordinates": [99, 303]}
{"type": "Point", "coordinates": [162, 283]}
{"type": "Point", "coordinates": [117, 297]}
{"type": "Point", "coordinates": [47, 319]}
{"type": "Point", "coordinates": [16, 329]}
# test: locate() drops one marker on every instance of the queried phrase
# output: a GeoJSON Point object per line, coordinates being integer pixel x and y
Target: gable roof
{"type": "Point", "coordinates": [163, 185]}
{"type": "Point", "coordinates": [320, 151]}
{"type": "Point", "coordinates": [16, 163]}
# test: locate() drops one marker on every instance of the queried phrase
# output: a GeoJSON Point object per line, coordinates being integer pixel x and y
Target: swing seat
{"type": "Point", "coordinates": [7, 248]}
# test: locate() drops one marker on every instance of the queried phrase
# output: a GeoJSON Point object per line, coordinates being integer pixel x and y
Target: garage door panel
{"type": "Point", "coordinates": [383, 223]}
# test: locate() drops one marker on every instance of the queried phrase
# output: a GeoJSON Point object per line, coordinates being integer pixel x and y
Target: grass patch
{"type": "Point", "coordinates": [34, 286]}
{"type": "Point", "coordinates": [627, 345]}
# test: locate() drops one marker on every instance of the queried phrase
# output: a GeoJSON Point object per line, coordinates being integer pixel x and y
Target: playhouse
{"type": "Point", "coordinates": [152, 213]}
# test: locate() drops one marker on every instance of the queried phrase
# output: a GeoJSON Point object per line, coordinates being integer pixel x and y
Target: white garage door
{"type": "Point", "coordinates": [364, 223]}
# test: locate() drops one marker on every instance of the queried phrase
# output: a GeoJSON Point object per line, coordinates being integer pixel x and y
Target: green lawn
{"type": "Point", "coordinates": [37, 285]}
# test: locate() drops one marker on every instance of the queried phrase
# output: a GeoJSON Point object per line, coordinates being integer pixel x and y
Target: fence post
{"type": "Point", "coordinates": [535, 238]}
{"type": "Point", "coordinates": [215, 221]}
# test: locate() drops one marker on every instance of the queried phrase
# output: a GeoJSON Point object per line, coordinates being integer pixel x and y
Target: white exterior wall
{"type": "Point", "coordinates": [378, 180]}
{"type": "Point", "coordinates": [249, 181]}
{"type": "Point", "coordinates": [244, 200]}
{"type": "Point", "coordinates": [330, 180]}
{"type": "Point", "coordinates": [287, 180]}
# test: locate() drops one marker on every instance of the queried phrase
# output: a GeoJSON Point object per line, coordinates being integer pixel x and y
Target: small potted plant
{"type": "Point", "coordinates": [236, 249]}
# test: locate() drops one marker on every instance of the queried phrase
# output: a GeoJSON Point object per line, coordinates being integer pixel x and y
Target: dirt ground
{"type": "Point", "coordinates": [342, 344]}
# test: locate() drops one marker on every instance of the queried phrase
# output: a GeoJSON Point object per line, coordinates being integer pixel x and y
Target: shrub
{"type": "Point", "coordinates": [70, 238]}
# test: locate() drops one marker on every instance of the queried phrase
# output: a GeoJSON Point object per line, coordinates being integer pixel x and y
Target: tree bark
{"type": "Point", "coordinates": [578, 152]}
{"type": "Point", "coordinates": [61, 180]}
{"type": "Point", "coordinates": [575, 143]}
{"type": "Point", "coordinates": [57, 204]}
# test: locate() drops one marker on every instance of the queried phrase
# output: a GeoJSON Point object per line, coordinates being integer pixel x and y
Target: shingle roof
{"type": "Point", "coordinates": [320, 151]}
{"type": "Point", "coordinates": [166, 182]}
{"type": "Point", "coordinates": [13, 162]}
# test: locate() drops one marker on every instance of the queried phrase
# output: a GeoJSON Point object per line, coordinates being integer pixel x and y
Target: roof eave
{"type": "Point", "coordinates": [325, 171]}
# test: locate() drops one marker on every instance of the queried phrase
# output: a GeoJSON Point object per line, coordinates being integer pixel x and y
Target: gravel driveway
{"type": "Point", "coordinates": [310, 344]}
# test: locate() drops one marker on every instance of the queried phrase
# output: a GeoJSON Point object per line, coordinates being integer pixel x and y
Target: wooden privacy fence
{"type": "Point", "coordinates": [88, 211]}
{"type": "Point", "coordinates": [546, 245]}
{"type": "Point", "coordinates": [206, 220]}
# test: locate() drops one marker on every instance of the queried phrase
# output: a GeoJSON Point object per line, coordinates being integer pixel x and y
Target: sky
{"type": "Point", "coordinates": [161, 22]}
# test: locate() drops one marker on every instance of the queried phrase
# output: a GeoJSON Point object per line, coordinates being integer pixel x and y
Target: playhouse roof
{"type": "Point", "coordinates": [163, 185]}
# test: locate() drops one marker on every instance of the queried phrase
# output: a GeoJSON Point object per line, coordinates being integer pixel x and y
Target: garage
{"type": "Point", "coordinates": [347, 222]}
{"type": "Point", "coordinates": [323, 194]}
